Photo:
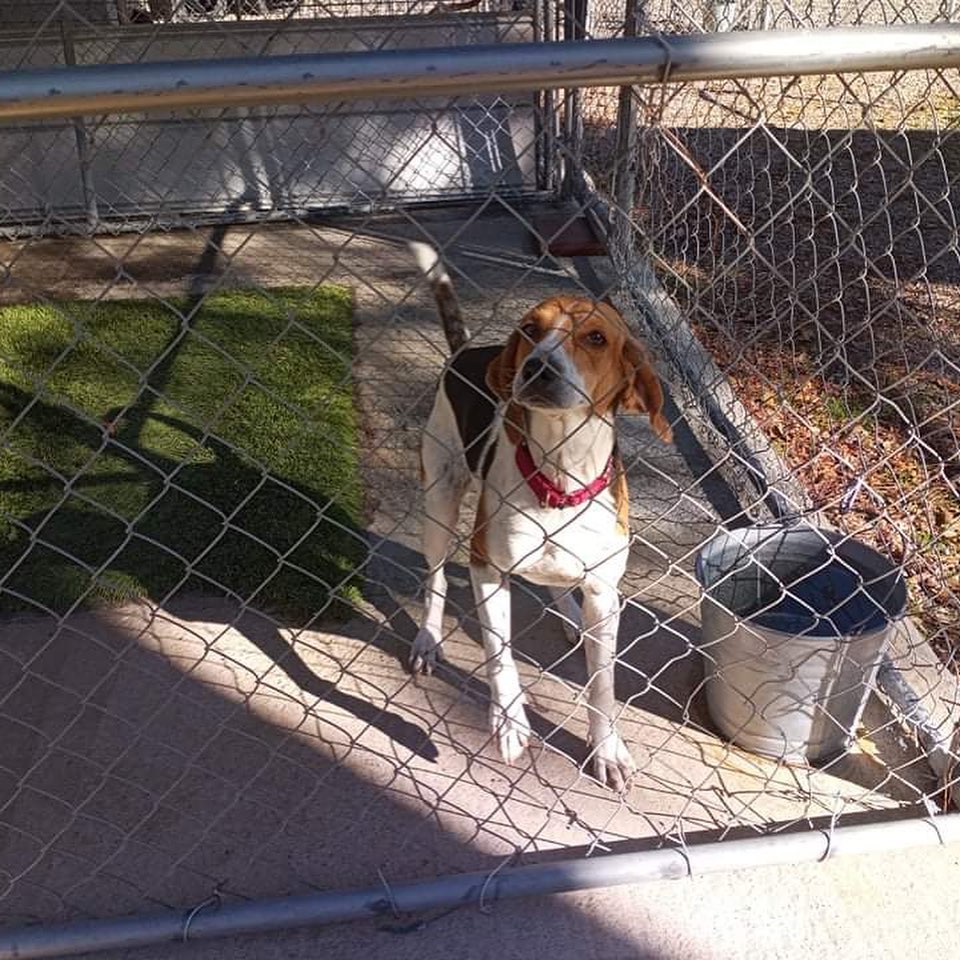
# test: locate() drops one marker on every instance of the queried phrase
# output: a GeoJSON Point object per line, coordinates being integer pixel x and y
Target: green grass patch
{"type": "Point", "coordinates": [230, 467]}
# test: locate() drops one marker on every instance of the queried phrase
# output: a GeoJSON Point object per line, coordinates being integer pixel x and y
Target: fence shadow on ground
{"type": "Point", "coordinates": [139, 786]}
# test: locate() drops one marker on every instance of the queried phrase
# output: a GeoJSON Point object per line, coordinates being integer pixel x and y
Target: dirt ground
{"type": "Point", "coordinates": [807, 228]}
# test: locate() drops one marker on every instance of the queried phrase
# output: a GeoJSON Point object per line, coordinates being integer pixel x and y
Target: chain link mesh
{"type": "Point", "coordinates": [210, 507]}
{"type": "Point", "coordinates": [112, 172]}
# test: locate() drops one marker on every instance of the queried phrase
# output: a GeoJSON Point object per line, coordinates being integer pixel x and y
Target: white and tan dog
{"type": "Point", "coordinates": [532, 421]}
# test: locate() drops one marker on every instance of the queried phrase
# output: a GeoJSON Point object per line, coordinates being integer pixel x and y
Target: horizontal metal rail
{"type": "Point", "coordinates": [249, 81]}
{"type": "Point", "coordinates": [471, 889]}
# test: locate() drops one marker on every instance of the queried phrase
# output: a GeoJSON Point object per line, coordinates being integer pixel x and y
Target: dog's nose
{"type": "Point", "coordinates": [537, 369]}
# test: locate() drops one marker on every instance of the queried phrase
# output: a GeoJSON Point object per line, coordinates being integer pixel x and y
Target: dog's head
{"type": "Point", "coordinates": [569, 352]}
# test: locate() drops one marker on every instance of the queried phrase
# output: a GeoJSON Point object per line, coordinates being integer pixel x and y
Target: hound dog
{"type": "Point", "coordinates": [532, 422]}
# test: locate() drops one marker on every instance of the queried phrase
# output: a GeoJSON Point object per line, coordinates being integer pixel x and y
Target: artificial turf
{"type": "Point", "coordinates": [151, 447]}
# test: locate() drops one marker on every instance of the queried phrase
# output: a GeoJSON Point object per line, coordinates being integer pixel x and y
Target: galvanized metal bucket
{"type": "Point", "coordinates": [795, 622]}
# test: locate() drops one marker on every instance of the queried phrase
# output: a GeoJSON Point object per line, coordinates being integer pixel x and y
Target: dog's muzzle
{"type": "Point", "coordinates": [543, 383]}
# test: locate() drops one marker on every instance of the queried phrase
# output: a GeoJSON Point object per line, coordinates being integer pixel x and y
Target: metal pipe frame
{"type": "Point", "coordinates": [111, 88]}
{"type": "Point", "coordinates": [473, 889]}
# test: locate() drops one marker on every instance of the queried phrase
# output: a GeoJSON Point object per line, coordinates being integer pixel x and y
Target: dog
{"type": "Point", "coordinates": [532, 422]}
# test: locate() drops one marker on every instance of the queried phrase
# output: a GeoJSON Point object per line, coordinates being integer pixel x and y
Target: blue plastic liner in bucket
{"type": "Point", "coordinates": [795, 621]}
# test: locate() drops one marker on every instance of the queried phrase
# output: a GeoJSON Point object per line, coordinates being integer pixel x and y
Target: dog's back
{"type": "Point", "coordinates": [473, 403]}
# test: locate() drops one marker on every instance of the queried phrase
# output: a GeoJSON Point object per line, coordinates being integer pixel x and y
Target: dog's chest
{"type": "Point", "coordinates": [556, 547]}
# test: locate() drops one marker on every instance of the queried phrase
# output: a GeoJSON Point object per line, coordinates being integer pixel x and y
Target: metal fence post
{"type": "Point", "coordinates": [82, 138]}
{"type": "Point", "coordinates": [627, 157]}
{"type": "Point", "coordinates": [545, 117]}
{"type": "Point", "coordinates": [574, 28]}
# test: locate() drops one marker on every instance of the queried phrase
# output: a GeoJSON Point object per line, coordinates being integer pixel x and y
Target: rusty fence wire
{"type": "Point", "coordinates": [211, 509]}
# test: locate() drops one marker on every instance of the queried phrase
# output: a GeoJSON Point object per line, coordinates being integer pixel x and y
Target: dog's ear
{"type": "Point", "coordinates": [643, 392]}
{"type": "Point", "coordinates": [503, 368]}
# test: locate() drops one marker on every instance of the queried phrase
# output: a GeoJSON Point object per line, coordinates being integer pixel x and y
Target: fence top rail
{"type": "Point", "coordinates": [251, 81]}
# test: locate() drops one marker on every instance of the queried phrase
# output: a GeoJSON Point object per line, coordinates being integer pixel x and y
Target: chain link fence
{"type": "Point", "coordinates": [115, 172]}
{"type": "Point", "coordinates": [606, 18]}
{"type": "Point", "coordinates": [805, 227]}
{"type": "Point", "coordinates": [210, 496]}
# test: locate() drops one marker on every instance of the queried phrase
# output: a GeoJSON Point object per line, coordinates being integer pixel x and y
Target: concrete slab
{"type": "Point", "coordinates": [170, 752]}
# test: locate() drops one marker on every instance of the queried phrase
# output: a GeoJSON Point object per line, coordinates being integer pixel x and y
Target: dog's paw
{"type": "Point", "coordinates": [612, 764]}
{"type": "Point", "coordinates": [426, 653]}
{"type": "Point", "coordinates": [510, 729]}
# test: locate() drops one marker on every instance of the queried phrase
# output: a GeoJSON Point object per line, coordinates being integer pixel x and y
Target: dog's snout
{"type": "Point", "coordinates": [537, 368]}
{"type": "Point", "coordinates": [547, 378]}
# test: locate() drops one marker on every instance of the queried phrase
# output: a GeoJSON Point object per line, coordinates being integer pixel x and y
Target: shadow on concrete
{"type": "Point", "coordinates": [658, 671]}
{"type": "Point", "coordinates": [130, 784]}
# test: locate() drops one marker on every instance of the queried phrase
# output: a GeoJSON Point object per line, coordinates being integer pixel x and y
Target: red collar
{"type": "Point", "coordinates": [548, 493]}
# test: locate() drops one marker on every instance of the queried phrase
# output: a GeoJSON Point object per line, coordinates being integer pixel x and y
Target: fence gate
{"type": "Point", "coordinates": [120, 171]}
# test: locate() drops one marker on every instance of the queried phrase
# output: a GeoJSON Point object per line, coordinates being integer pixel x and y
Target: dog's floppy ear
{"type": "Point", "coordinates": [503, 368]}
{"type": "Point", "coordinates": [643, 392]}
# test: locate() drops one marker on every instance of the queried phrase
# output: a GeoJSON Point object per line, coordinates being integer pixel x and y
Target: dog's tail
{"type": "Point", "coordinates": [448, 306]}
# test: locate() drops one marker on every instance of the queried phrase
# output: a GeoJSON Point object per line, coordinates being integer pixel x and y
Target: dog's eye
{"type": "Point", "coordinates": [596, 338]}
{"type": "Point", "coordinates": [530, 330]}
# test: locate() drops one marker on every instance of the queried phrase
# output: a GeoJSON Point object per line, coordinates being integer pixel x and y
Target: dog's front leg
{"type": "Point", "coordinates": [566, 608]}
{"type": "Point", "coordinates": [612, 762]}
{"type": "Point", "coordinates": [508, 719]}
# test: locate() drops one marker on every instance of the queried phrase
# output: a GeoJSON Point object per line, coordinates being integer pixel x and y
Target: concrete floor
{"type": "Point", "coordinates": [875, 907]}
{"type": "Point", "coordinates": [175, 751]}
